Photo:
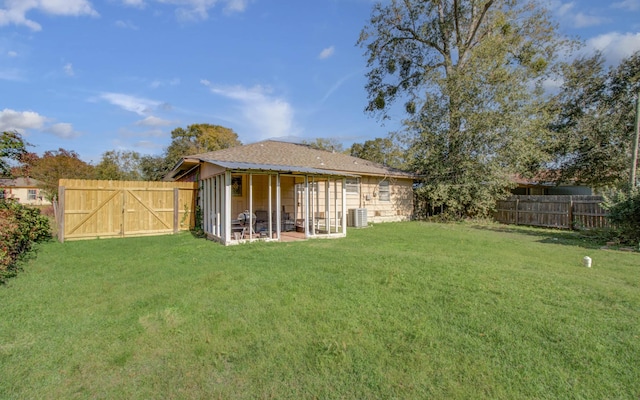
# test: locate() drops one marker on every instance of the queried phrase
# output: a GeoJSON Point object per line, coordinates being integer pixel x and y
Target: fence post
{"type": "Point", "coordinates": [517, 209]}
{"type": "Point", "coordinates": [123, 214]}
{"type": "Point", "coordinates": [176, 211]}
{"type": "Point", "coordinates": [60, 215]}
{"type": "Point", "coordinates": [570, 213]}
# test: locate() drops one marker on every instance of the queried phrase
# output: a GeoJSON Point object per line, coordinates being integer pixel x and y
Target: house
{"type": "Point", "coordinates": [22, 190]}
{"type": "Point", "coordinates": [273, 190]}
{"type": "Point", "coordinates": [545, 186]}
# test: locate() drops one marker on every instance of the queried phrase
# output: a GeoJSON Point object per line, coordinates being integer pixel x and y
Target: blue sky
{"type": "Point", "coordinates": [98, 75]}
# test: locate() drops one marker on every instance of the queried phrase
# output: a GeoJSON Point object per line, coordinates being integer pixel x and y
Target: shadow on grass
{"type": "Point", "coordinates": [587, 239]}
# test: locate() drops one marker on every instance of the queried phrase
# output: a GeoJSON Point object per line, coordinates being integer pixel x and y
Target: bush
{"type": "Point", "coordinates": [624, 214]}
{"type": "Point", "coordinates": [20, 228]}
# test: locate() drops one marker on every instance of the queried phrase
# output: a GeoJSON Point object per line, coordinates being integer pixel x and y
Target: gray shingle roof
{"type": "Point", "coordinates": [285, 154]}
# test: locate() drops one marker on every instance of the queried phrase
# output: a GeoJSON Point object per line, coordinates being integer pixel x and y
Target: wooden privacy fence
{"type": "Point", "coordinates": [565, 212]}
{"type": "Point", "coordinates": [89, 209]}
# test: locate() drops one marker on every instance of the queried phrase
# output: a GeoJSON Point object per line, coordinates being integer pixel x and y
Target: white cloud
{"type": "Point", "coordinates": [158, 83]}
{"type": "Point", "coordinates": [20, 120]}
{"type": "Point", "coordinates": [12, 74]}
{"type": "Point", "coordinates": [134, 104]}
{"type": "Point", "coordinates": [566, 12]}
{"type": "Point", "coordinates": [267, 115]}
{"type": "Point", "coordinates": [62, 130]}
{"type": "Point", "coordinates": [631, 5]}
{"type": "Point", "coordinates": [337, 85]}
{"type": "Point", "coordinates": [614, 46]}
{"type": "Point", "coordinates": [12, 54]}
{"type": "Point", "coordinates": [65, 7]}
{"type": "Point", "coordinates": [134, 3]}
{"type": "Point", "coordinates": [15, 11]}
{"type": "Point", "coordinates": [235, 6]}
{"type": "Point", "coordinates": [563, 9]}
{"type": "Point", "coordinates": [193, 10]}
{"type": "Point", "coordinates": [126, 25]}
{"type": "Point", "coordinates": [68, 69]}
{"type": "Point", "coordinates": [153, 121]}
{"type": "Point", "coordinates": [581, 20]}
{"type": "Point", "coordinates": [326, 53]}
{"type": "Point", "coordinates": [147, 144]}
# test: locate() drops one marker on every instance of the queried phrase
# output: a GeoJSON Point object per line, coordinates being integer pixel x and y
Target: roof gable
{"type": "Point", "coordinates": [286, 155]}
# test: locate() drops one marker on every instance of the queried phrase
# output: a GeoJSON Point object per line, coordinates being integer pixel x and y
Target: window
{"type": "Point", "coordinates": [2, 195]}
{"type": "Point", "coordinates": [383, 188]}
{"type": "Point", "coordinates": [352, 186]}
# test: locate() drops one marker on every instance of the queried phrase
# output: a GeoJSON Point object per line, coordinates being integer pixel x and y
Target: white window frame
{"type": "Point", "coordinates": [384, 191]}
{"type": "Point", "coordinates": [352, 186]}
{"type": "Point", "coordinates": [32, 194]}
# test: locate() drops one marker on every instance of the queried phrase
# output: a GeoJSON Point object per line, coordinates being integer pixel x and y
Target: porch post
{"type": "Point", "coordinates": [220, 204]}
{"type": "Point", "coordinates": [335, 202]}
{"type": "Point", "coordinates": [251, 232]}
{"type": "Point", "coordinates": [344, 206]}
{"type": "Point", "coordinates": [278, 207]}
{"type": "Point", "coordinates": [205, 209]}
{"type": "Point", "coordinates": [306, 206]}
{"type": "Point", "coordinates": [227, 206]}
{"type": "Point", "coordinates": [327, 200]}
{"type": "Point", "coordinates": [216, 206]}
{"type": "Point", "coordinates": [270, 208]}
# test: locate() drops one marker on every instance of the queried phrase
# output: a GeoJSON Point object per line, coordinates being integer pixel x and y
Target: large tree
{"type": "Point", "coordinates": [58, 164]}
{"type": "Point", "coordinates": [381, 150]}
{"type": "Point", "coordinates": [594, 123]}
{"type": "Point", "coordinates": [12, 148]}
{"type": "Point", "coordinates": [120, 165]}
{"type": "Point", "coordinates": [154, 168]}
{"type": "Point", "coordinates": [199, 138]}
{"type": "Point", "coordinates": [328, 144]}
{"type": "Point", "coordinates": [469, 73]}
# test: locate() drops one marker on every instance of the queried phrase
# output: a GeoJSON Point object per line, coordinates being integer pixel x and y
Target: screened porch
{"type": "Point", "coordinates": [245, 205]}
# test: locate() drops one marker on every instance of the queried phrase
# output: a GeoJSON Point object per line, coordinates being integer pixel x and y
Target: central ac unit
{"type": "Point", "coordinates": [357, 217]}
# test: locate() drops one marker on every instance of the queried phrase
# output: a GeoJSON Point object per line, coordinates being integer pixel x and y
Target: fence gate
{"type": "Point", "coordinates": [90, 209]}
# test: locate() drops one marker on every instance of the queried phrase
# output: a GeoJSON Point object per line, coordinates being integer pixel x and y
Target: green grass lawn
{"type": "Point", "coordinates": [403, 310]}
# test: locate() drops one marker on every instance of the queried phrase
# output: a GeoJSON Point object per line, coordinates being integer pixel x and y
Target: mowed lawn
{"type": "Point", "coordinates": [403, 310]}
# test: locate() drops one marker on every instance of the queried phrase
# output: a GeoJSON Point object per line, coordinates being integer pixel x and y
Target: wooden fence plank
{"type": "Point", "coordinates": [565, 212]}
{"type": "Point", "coordinates": [93, 212]}
{"type": "Point", "coordinates": [93, 209]}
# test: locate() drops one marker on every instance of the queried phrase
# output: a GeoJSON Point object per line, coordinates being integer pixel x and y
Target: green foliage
{"type": "Point", "coordinates": [384, 151]}
{"type": "Point", "coordinates": [12, 147]}
{"type": "Point", "coordinates": [329, 144]}
{"type": "Point", "coordinates": [59, 164]}
{"type": "Point", "coordinates": [198, 138]}
{"type": "Point", "coordinates": [154, 168]}
{"type": "Point", "coordinates": [120, 166]}
{"type": "Point", "coordinates": [470, 75]}
{"type": "Point", "coordinates": [466, 195]}
{"type": "Point", "coordinates": [624, 214]}
{"type": "Point", "coordinates": [594, 123]}
{"type": "Point", "coordinates": [20, 228]}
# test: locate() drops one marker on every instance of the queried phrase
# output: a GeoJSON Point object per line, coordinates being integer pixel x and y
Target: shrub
{"type": "Point", "coordinates": [20, 228]}
{"type": "Point", "coordinates": [624, 214]}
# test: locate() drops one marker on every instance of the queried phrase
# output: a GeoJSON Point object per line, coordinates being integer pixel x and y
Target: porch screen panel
{"type": "Point", "coordinates": [204, 204]}
{"type": "Point", "coordinates": [210, 206]}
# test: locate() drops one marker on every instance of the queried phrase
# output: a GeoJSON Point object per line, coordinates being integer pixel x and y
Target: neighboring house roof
{"type": "Point", "coordinates": [18, 183]}
{"type": "Point", "coordinates": [285, 156]}
{"type": "Point", "coordinates": [548, 178]}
